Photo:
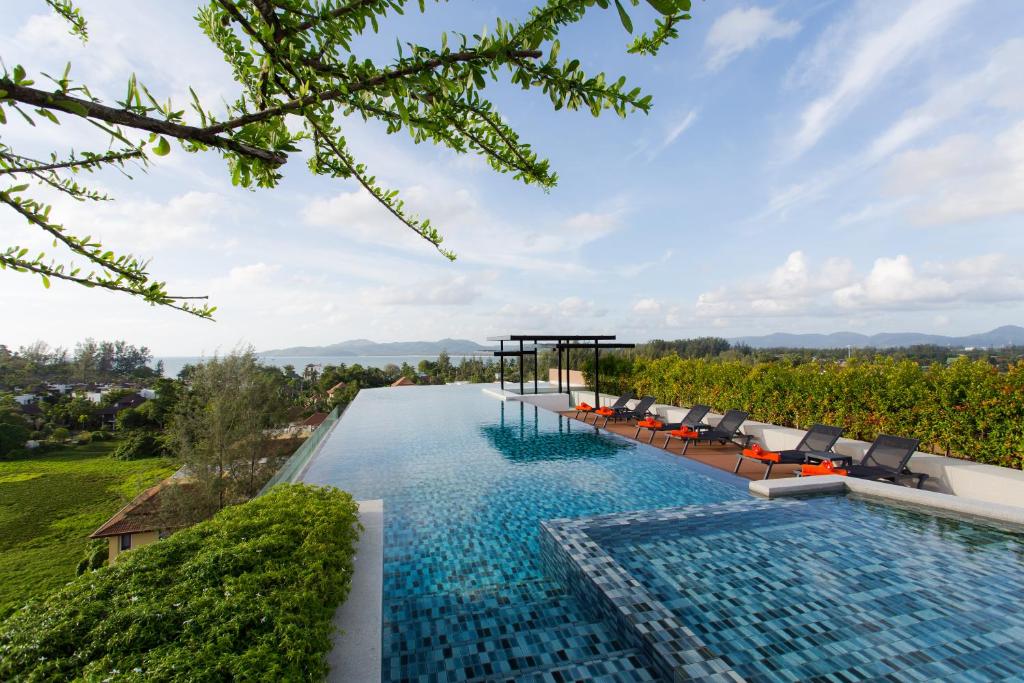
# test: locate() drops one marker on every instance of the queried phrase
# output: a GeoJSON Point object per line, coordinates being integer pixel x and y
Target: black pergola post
{"type": "Point", "coordinates": [558, 350]}
{"type": "Point", "coordinates": [501, 359]}
{"type": "Point", "coordinates": [535, 354]}
{"type": "Point", "coordinates": [597, 375]}
{"type": "Point", "coordinates": [521, 367]}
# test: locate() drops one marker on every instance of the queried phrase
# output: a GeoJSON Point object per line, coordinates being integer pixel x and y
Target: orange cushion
{"type": "Point", "coordinates": [826, 467]}
{"type": "Point", "coordinates": [756, 451]}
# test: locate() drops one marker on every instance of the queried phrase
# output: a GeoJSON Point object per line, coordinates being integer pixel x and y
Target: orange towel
{"type": "Point", "coordinates": [604, 412]}
{"type": "Point", "coordinates": [685, 433]}
{"type": "Point", "coordinates": [650, 423]}
{"type": "Point", "coordinates": [756, 451]}
{"type": "Point", "coordinates": [825, 467]}
{"type": "Point", "coordinates": [583, 407]}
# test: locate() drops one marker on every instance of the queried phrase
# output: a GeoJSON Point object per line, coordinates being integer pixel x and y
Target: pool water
{"type": "Point", "coordinates": [466, 481]}
{"type": "Point", "coordinates": [838, 589]}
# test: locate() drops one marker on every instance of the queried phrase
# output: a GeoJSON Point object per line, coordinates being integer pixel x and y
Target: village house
{"type": "Point", "coordinates": [108, 415]}
{"type": "Point", "coordinates": [146, 519]}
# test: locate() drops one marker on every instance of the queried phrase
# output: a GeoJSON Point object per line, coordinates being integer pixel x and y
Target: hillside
{"type": "Point", "coordinates": [1008, 335]}
{"type": "Point", "coordinates": [366, 347]}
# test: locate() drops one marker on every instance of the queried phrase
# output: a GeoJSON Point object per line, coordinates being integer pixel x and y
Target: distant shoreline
{"type": "Point", "coordinates": [174, 364]}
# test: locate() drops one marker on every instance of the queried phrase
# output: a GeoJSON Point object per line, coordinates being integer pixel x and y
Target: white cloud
{"type": "Point", "coordinates": [252, 275]}
{"type": "Point", "coordinates": [964, 178]}
{"type": "Point", "coordinates": [874, 54]}
{"type": "Point", "coordinates": [647, 306]}
{"type": "Point", "coordinates": [680, 128]}
{"type": "Point", "coordinates": [459, 290]}
{"type": "Point", "coordinates": [742, 29]}
{"type": "Point", "coordinates": [788, 289]}
{"type": "Point", "coordinates": [892, 283]}
{"type": "Point", "coordinates": [140, 226]}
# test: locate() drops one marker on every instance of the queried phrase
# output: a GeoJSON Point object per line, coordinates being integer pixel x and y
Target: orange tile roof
{"type": "Point", "coordinates": [314, 420]}
{"type": "Point", "coordinates": [403, 382]}
{"type": "Point", "coordinates": [143, 513]}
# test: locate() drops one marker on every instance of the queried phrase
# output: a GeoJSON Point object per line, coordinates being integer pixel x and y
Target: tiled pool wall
{"type": "Point", "coordinates": [572, 555]}
{"type": "Point", "coordinates": [832, 588]}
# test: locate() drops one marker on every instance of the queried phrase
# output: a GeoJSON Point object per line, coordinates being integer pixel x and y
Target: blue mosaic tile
{"type": "Point", "coordinates": [466, 481]}
{"type": "Point", "coordinates": [830, 589]}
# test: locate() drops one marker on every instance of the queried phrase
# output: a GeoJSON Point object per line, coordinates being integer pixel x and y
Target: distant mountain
{"type": "Point", "coordinates": [1008, 335]}
{"type": "Point", "coordinates": [366, 347]}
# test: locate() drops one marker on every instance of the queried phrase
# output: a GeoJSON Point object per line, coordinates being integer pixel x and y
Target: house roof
{"type": "Point", "coordinates": [132, 401]}
{"type": "Point", "coordinates": [143, 513]}
{"type": "Point", "coordinates": [403, 382]}
{"type": "Point", "coordinates": [314, 420]}
{"type": "Point", "coordinates": [31, 409]}
{"type": "Point", "coordinates": [337, 387]}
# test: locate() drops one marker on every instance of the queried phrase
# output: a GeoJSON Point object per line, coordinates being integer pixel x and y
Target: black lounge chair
{"type": "Point", "coordinates": [692, 419]}
{"type": "Point", "coordinates": [638, 412]}
{"type": "Point", "coordinates": [886, 460]}
{"type": "Point", "coordinates": [818, 441]}
{"type": "Point", "coordinates": [620, 402]}
{"type": "Point", "coordinates": [726, 431]}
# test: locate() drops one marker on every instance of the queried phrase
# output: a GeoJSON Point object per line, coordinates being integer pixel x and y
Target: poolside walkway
{"type": "Point", "coordinates": [720, 457]}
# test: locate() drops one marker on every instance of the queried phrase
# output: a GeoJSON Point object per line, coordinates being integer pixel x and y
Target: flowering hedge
{"type": "Point", "coordinates": [966, 409]}
{"type": "Point", "coordinates": [247, 595]}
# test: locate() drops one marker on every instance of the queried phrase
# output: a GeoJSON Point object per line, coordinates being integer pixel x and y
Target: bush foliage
{"type": "Point", "coordinates": [138, 445]}
{"type": "Point", "coordinates": [247, 595]}
{"type": "Point", "coordinates": [966, 409]}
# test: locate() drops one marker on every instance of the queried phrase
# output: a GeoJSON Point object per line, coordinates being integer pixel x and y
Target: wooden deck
{"type": "Point", "coordinates": [720, 457]}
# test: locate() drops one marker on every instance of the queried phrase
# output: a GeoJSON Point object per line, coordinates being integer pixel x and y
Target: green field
{"type": "Point", "coordinates": [50, 504]}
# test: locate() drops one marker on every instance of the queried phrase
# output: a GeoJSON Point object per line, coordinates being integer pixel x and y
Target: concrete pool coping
{"type": "Point", "coordinates": [358, 622]}
{"type": "Point", "coordinates": [833, 483]}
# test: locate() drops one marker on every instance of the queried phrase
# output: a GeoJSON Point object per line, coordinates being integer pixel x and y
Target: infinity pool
{"type": "Point", "coordinates": [823, 589]}
{"type": "Point", "coordinates": [466, 481]}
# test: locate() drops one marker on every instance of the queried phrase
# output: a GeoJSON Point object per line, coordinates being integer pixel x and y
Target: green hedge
{"type": "Point", "coordinates": [966, 409]}
{"type": "Point", "coordinates": [247, 595]}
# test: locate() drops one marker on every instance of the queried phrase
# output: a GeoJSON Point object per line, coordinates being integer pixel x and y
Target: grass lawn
{"type": "Point", "coordinates": [48, 506]}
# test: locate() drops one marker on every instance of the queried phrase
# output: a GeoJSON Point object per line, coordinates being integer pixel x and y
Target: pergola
{"type": "Point", "coordinates": [559, 342]}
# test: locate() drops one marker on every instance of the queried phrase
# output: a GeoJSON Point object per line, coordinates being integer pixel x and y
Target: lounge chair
{"type": "Point", "coordinates": [692, 420]}
{"type": "Point", "coordinates": [620, 402]}
{"type": "Point", "coordinates": [818, 441]}
{"type": "Point", "coordinates": [726, 431]}
{"type": "Point", "coordinates": [638, 412]}
{"type": "Point", "coordinates": [885, 460]}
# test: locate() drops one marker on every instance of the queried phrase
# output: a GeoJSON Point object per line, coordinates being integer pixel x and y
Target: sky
{"type": "Point", "coordinates": [807, 167]}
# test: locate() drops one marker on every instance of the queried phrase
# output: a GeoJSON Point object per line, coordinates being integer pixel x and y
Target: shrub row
{"type": "Point", "coordinates": [966, 409]}
{"type": "Point", "coordinates": [247, 595]}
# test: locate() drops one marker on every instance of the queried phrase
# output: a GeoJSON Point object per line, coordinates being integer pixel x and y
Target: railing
{"type": "Point", "coordinates": [304, 453]}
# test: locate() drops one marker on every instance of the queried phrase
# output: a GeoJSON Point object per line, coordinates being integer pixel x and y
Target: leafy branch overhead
{"type": "Point", "coordinates": [301, 82]}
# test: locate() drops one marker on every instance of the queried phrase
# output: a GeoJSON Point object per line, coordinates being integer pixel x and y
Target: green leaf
{"type": "Point", "coordinates": [627, 23]}
{"type": "Point", "coordinates": [666, 7]}
{"type": "Point", "coordinates": [162, 147]}
{"type": "Point", "coordinates": [46, 282]}
{"type": "Point", "coordinates": [19, 73]}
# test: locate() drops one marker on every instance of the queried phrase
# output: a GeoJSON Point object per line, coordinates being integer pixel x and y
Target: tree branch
{"type": "Point", "coordinates": [380, 79]}
{"type": "Point", "coordinates": [71, 244]}
{"type": "Point", "coordinates": [72, 163]}
{"type": "Point", "coordinates": [335, 13]}
{"type": "Point", "coordinates": [88, 109]}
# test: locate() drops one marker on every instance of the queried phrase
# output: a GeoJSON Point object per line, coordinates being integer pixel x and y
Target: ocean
{"type": "Point", "coordinates": [174, 364]}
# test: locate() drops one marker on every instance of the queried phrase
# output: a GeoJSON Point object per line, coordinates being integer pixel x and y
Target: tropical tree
{"type": "Point", "coordinates": [220, 429]}
{"type": "Point", "coordinates": [302, 81]}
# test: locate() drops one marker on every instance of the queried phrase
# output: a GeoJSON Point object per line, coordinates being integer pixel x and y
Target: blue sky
{"type": "Point", "coordinates": [807, 167]}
